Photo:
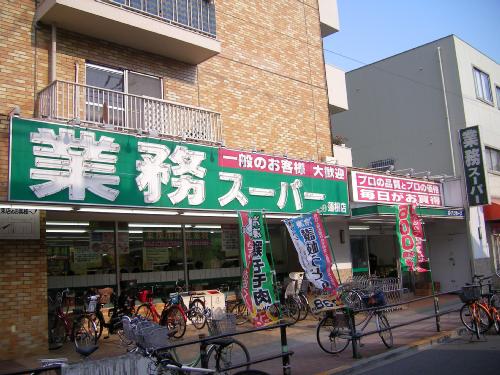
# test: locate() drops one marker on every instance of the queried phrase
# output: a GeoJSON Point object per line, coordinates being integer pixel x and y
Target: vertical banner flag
{"type": "Point", "coordinates": [405, 238]}
{"type": "Point", "coordinates": [256, 281]}
{"type": "Point", "coordinates": [309, 237]}
{"type": "Point", "coordinates": [411, 238]}
{"type": "Point", "coordinates": [418, 233]}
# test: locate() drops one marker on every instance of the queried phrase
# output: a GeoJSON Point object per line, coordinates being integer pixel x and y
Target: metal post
{"type": "Point", "coordinates": [354, 340]}
{"type": "Point", "coordinates": [436, 310]}
{"type": "Point", "coordinates": [284, 349]}
{"type": "Point", "coordinates": [117, 260]}
{"type": "Point", "coordinates": [184, 246]}
{"type": "Point", "coordinates": [203, 351]}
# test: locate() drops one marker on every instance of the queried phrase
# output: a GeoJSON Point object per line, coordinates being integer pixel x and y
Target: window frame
{"type": "Point", "coordinates": [489, 162]}
{"type": "Point", "coordinates": [478, 85]}
{"type": "Point", "coordinates": [125, 73]}
{"type": "Point", "coordinates": [497, 90]}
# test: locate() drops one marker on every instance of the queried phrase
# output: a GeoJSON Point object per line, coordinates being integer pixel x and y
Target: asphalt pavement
{"type": "Point", "coordinates": [463, 355]}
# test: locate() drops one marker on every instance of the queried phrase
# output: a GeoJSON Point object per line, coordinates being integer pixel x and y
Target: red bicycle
{"type": "Point", "coordinates": [78, 326]}
{"type": "Point", "coordinates": [175, 313]}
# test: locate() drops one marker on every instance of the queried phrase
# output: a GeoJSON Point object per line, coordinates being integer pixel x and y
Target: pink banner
{"type": "Point", "coordinates": [376, 188]}
{"type": "Point", "coordinates": [274, 164]}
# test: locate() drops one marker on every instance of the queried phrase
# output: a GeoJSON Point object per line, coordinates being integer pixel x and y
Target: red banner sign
{"type": "Point", "coordinates": [260, 162]}
{"type": "Point", "coordinates": [376, 188]}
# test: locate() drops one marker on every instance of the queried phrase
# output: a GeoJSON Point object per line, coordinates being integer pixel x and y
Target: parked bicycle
{"type": "Point", "coordinates": [221, 356]}
{"type": "Point", "coordinates": [236, 305]}
{"type": "Point", "coordinates": [334, 331]}
{"type": "Point", "coordinates": [77, 326]}
{"type": "Point", "coordinates": [175, 313]}
{"type": "Point", "coordinates": [480, 310]}
{"type": "Point", "coordinates": [123, 305]}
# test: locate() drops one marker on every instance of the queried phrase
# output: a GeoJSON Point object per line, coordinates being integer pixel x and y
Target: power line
{"type": "Point", "coordinates": [473, 100]}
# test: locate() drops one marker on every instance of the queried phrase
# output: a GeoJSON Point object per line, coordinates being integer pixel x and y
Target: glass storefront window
{"type": "Point", "coordinates": [85, 248]}
{"type": "Point", "coordinates": [153, 248]}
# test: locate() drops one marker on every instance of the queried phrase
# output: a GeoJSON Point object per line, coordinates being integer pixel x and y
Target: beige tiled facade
{"type": "Point", "coordinates": [268, 84]}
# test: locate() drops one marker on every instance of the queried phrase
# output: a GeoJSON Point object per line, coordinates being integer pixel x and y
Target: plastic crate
{"type": "Point", "coordinates": [470, 293]}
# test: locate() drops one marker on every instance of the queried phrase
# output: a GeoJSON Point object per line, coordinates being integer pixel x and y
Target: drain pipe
{"type": "Point", "coordinates": [53, 53]}
{"type": "Point", "coordinates": [447, 111]}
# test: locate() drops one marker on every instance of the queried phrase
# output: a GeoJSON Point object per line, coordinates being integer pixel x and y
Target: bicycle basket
{"type": "Point", "coordinates": [153, 337]}
{"type": "Point", "coordinates": [470, 293]}
{"type": "Point", "coordinates": [374, 299]}
{"type": "Point", "coordinates": [226, 324]}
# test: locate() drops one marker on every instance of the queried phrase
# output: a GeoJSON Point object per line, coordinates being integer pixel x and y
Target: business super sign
{"type": "Point", "coordinates": [63, 164]}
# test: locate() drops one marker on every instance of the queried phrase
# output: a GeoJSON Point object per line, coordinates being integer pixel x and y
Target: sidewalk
{"type": "Point", "coordinates": [308, 358]}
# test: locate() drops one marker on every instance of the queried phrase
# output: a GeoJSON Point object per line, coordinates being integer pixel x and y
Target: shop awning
{"type": "Point", "coordinates": [492, 211]}
{"type": "Point", "coordinates": [390, 210]}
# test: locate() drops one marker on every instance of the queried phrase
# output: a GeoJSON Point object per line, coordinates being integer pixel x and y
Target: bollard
{"type": "Point", "coordinates": [436, 312]}
{"type": "Point", "coordinates": [284, 349]}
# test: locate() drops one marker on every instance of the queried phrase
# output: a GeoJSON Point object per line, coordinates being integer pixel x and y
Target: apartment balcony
{"type": "Point", "coordinates": [116, 111]}
{"type": "Point", "coordinates": [337, 90]}
{"type": "Point", "coordinates": [183, 30]}
{"type": "Point", "coordinates": [328, 17]}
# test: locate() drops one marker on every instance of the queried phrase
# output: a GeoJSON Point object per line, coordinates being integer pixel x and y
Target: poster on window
{"type": "Point", "coordinates": [309, 238]}
{"type": "Point", "coordinates": [256, 281]}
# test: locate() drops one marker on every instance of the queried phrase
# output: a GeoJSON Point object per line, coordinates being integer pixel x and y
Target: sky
{"type": "Point", "coordinates": [371, 30]}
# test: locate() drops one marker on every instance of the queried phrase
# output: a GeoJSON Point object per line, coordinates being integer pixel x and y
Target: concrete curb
{"type": "Point", "coordinates": [415, 346]}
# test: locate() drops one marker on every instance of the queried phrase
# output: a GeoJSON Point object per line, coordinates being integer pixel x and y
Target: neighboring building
{"type": "Point", "coordinates": [126, 128]}
{"type": "Point", "coordinates": [406, 112]}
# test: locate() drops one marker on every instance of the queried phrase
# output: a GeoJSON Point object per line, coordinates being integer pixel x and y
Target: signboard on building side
{"type": "Point", "coordinates": [377, 188]}
{"type": "Point", "coordinates": [19, 224]}
{"type": "Point", "coordinates": [474, 172]}
{"type": "Point", "coordinates": [63, 164]}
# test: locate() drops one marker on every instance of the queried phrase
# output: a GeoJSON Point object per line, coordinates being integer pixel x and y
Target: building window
{"type": "Point", "coordinates": [483, 87]}
{"type": "Point", "coordinates": [382, 165]}
{"type": "Point", "coordinates": [121, 98]}
{"type": "Point", "coordinates": [497, 88]}
{"type": "Point", "coordinates": [493, 159]}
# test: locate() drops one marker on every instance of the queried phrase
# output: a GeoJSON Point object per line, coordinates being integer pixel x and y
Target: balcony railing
{"type": "Point", "coordinates": [93, 106]}
{"type": "Point", "coordinates": [196, 15]}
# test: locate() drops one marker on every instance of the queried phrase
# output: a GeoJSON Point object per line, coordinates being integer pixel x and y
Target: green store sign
{"type": "Point", "coordinates": [64, 164]}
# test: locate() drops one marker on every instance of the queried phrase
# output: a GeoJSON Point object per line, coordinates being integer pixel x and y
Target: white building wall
{"type": "Point", "coordinates": [396, 110]}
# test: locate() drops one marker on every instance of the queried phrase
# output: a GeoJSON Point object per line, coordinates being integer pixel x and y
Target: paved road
{"type": "Point", "coordinates": [460, 356]}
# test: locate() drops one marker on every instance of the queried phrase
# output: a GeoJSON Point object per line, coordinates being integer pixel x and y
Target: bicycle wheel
{"type": "Point", "coordinates": [174, 320]}
{"type": "Point", "coordinates": [386, 336]}
{"type": "Point", "coordinates": [291, 310]}
{"type": "Point", "coordinates": [197, 318]}
{"type": "Point", "coordinates": [333, 334]}
{"type": "Point", "coordinates": [57, 332]}
{"type": "Point", "coordinates": [496, 320]}
{"type": "Point", "coordinates": [304, 306]}
{"type": "Point", "coordinates": [84, 332]}
{"type": "Point", "coordinates": [224, 357]}
{"type": "Point", "coordinates": [241, 312]}
{"type": "Point", "coordinates": [144, 311]}
{"type": "Point", "coordinates": [466, 316]}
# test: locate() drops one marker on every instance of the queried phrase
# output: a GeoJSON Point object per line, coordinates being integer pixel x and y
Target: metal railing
{"type": "Point", "coordinates": [355, 336]}
{"type": "Point", "coordinates": [114, 110]}
{"type": "Point", "coordinates": [195, 15]}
